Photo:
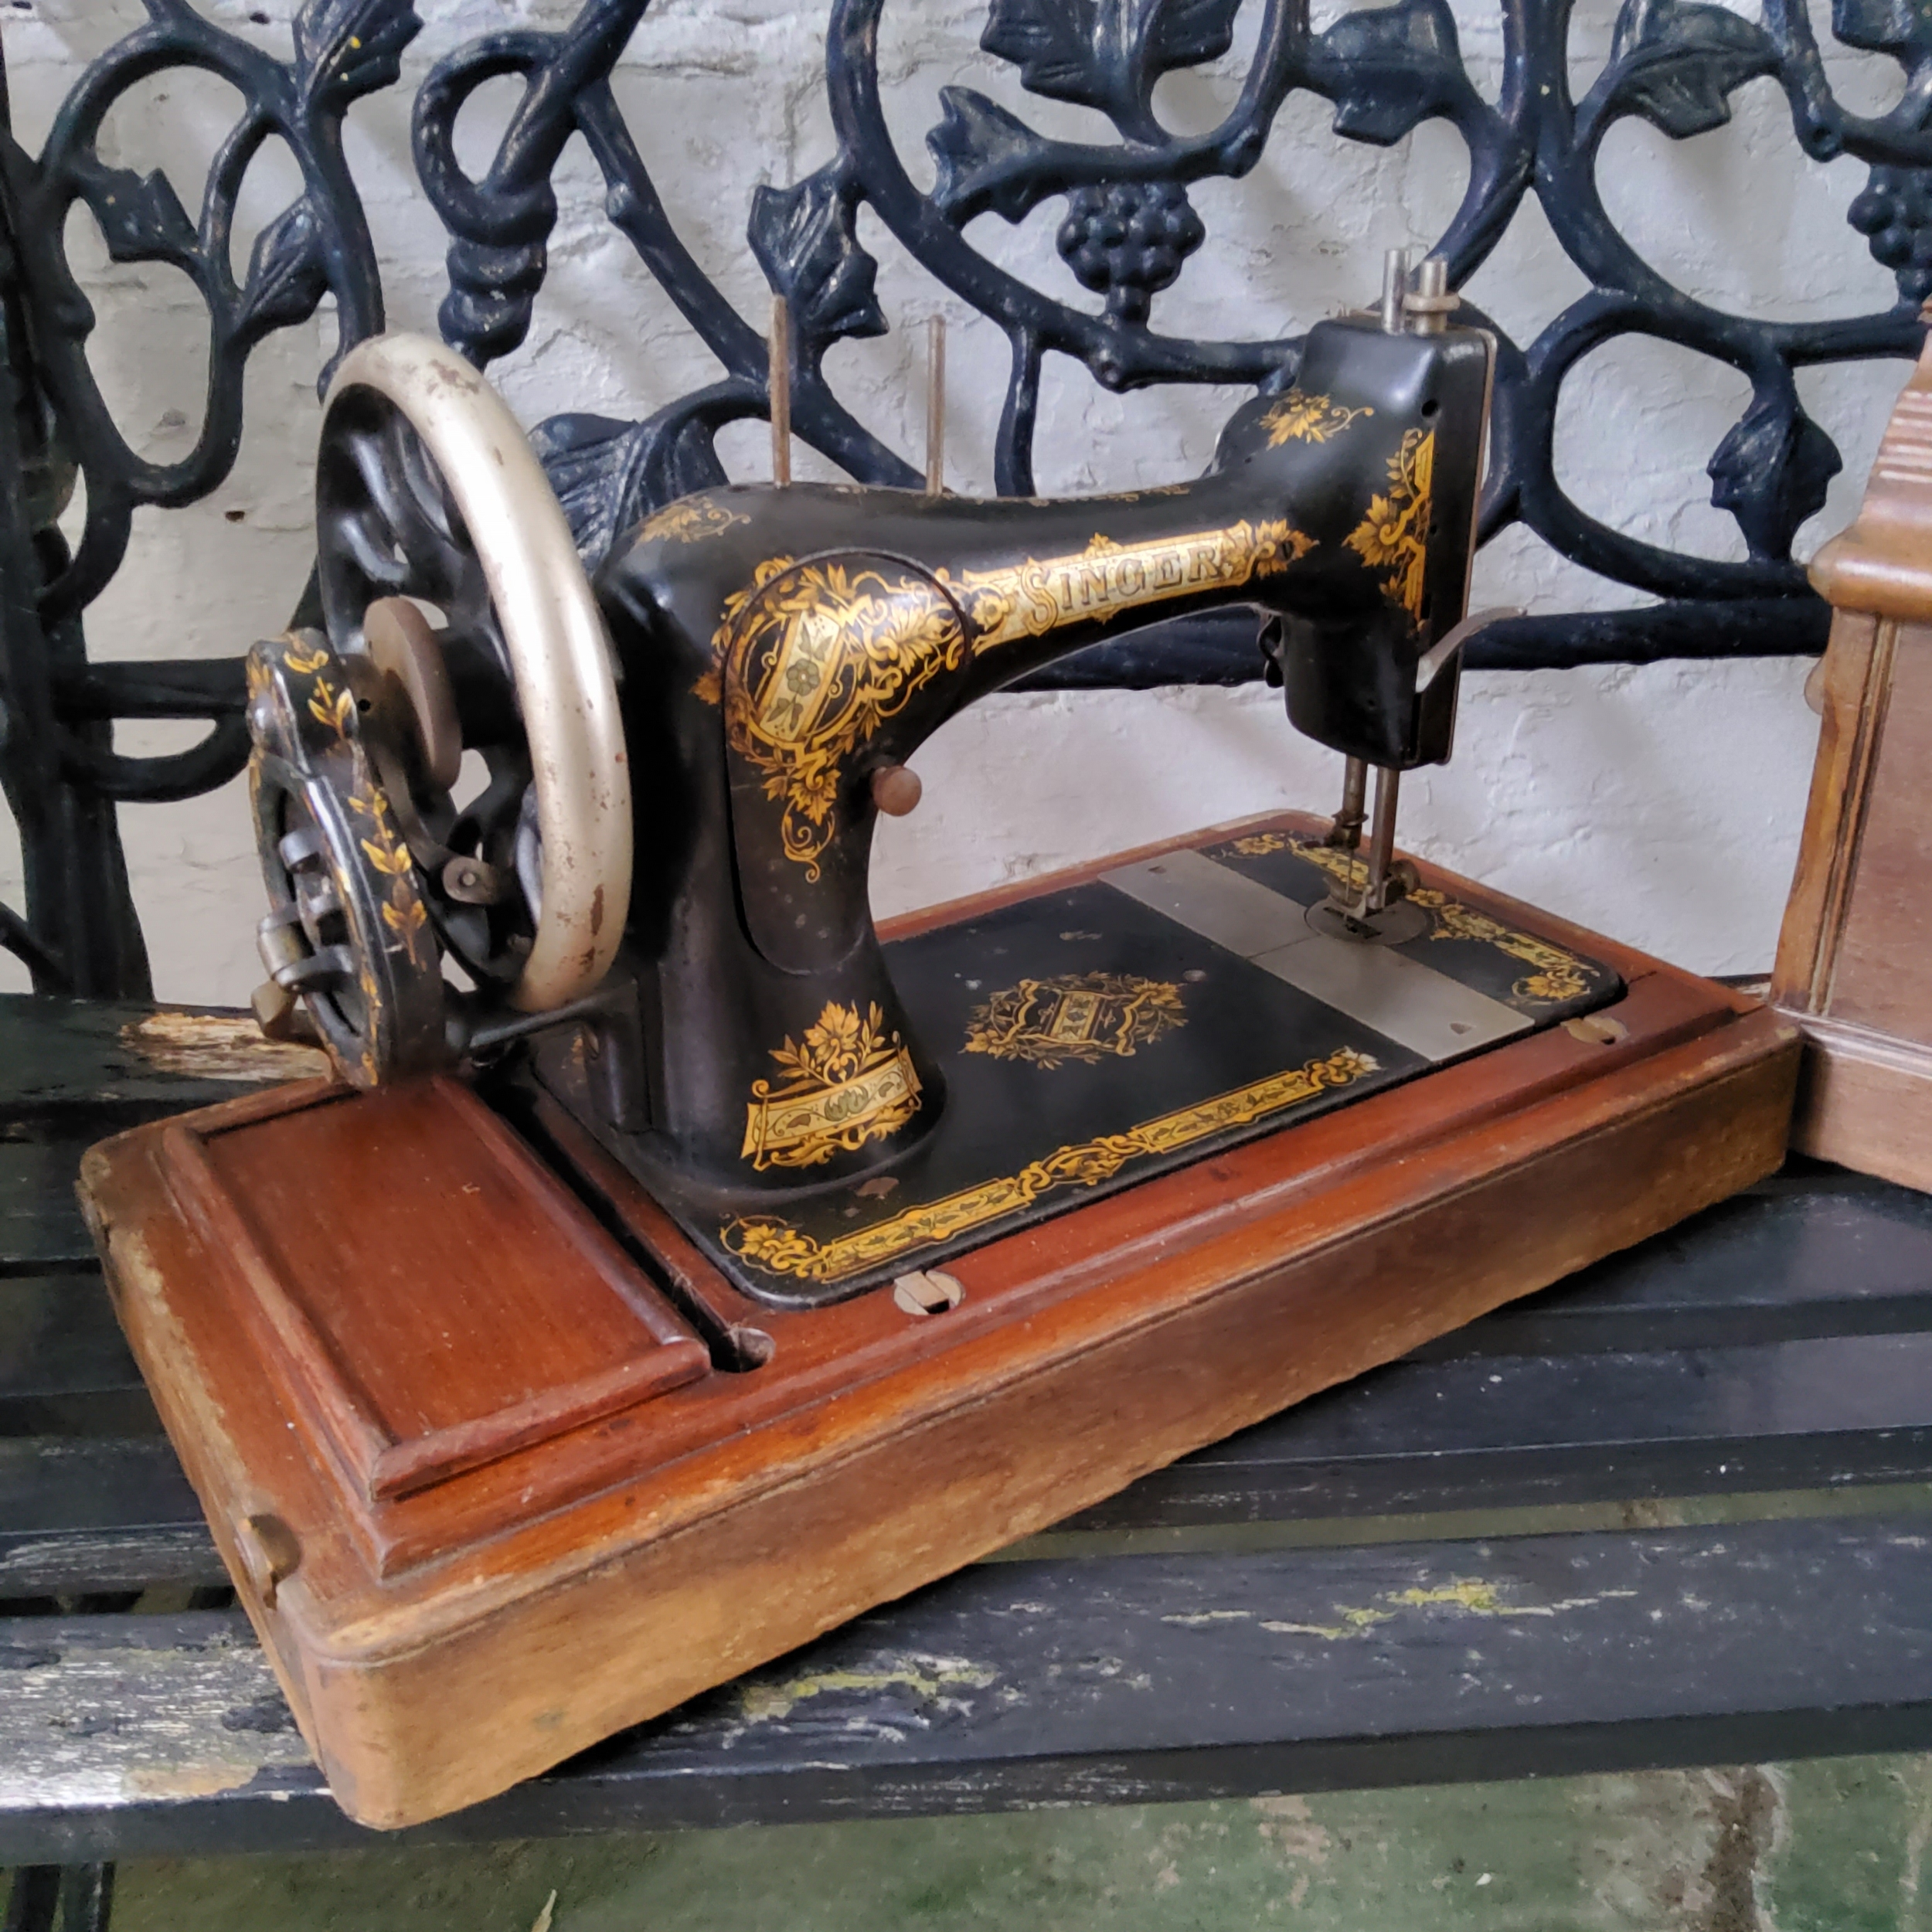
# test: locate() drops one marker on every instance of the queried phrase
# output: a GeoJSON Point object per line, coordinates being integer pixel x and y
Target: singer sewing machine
{"type": "Point", "coordinates": [679, 1264]}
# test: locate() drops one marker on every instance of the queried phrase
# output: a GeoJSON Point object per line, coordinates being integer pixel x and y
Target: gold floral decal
{"type": "Point", "coordinates": [688, 520]}
{"type": "Point", "coordinates": [1394, 535]}
{"type": "Point", "coordinates": [1075, 1016]}
{"type": "Point", "coordinates": [710, 686]}
{"type": "Point", "coordinates": [809, 661]}
{"type": "Point", "coordinates": [1558, 975]}
{"type": "Point", "coordinates": [1299, 417]}
{"type": "Point", "coordinates": [777, 1247]}
{"type": "Point", "coordinates": [850, 1082]}
{"type": "Point", "coordinates": [403, 912]}
{"type": "Point", "coordinates": [817, 664]}
{"type": "Point", "coordinates": [327, 706]}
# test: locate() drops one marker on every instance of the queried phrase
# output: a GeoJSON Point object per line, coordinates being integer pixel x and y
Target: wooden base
{"type": "Point", "coordinates": [1864, 1100]}
{"type": "Point", "coordinates": [1854, 966]}
{"type": "Point", "coordinates": [475, 1542]}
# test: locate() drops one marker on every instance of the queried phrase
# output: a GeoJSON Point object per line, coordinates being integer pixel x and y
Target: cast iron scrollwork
{"type": "Point", "coordinates": [1128, 229]}
{"type": "Point", "coordinates": [61, 770]}
{"type": "Point", "coordinates": [1129, 226]}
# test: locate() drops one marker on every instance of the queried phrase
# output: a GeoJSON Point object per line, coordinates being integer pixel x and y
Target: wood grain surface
{"type": "Point", "coordinates": [1854, 955]}
{"type": "Point", "coordinates": [438, 1645]}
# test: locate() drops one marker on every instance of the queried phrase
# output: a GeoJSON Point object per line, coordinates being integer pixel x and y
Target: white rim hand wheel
{"type": "Point", "coordinates": [428, 491]}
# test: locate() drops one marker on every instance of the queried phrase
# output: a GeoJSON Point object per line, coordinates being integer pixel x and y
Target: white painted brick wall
{"type": "Point", "coordinates": [1660, 804]}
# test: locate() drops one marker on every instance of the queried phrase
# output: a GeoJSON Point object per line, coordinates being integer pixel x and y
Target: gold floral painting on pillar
{"type": "Point", "coordinates": [850, 1082]}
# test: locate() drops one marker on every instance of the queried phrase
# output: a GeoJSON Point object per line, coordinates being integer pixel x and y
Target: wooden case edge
{"type": "Point", "coordinates": [1387, 1265]}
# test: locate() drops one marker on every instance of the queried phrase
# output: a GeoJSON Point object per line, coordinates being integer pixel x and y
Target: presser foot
{"type": "Point", "coordinates": [1395, 924]}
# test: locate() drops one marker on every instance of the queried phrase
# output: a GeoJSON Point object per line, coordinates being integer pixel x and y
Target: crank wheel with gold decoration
{"type": "Point", "coordinates": [347, 933]}
{"type": "Point", "coordinates": [459, 621]}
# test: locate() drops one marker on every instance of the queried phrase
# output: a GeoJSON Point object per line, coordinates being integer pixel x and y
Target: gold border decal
{"type": "Point", "coordinates": [1299, 417]}
{"type": "Point", "coordinates": [403, 912]}
{"type": "Point", "coordinates": [850, 1082]}
{"type": "Point", "coordinates": [766, 1242]}
{"type": "Point", "coordinates": [688, 520]}
{"type": "Point", "coordinates": [1394, 536]}
{"type": "Point", "coordinates": [813, 659]}
{"type": "Point", "coordinates": [1558, 975]}
{"type": "Point", "coordinates": [1074, 1016]}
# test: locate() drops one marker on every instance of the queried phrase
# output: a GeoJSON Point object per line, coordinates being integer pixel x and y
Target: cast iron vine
{"type": "Point", "coordinates": [1128, 228]}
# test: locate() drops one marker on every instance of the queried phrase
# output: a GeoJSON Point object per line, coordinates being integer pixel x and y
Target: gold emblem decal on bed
{"type": "Point", "coordinates": [1083, 1017]}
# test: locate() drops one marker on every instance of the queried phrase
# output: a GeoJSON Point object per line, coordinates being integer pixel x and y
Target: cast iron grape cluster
{"type": "Point", "coordinates": [1127, 241]}
{"type": "Point", "coordinates": [1894, 211]}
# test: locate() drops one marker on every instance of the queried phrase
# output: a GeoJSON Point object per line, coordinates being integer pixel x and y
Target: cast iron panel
{"type": "Point", "coordinates": [1128, 230]}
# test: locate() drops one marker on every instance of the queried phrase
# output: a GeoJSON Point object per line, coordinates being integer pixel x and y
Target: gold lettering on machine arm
{"type": "Point", "coordinates": [813, 658]}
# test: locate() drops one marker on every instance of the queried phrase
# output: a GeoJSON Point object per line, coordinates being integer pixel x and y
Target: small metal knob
{"type": "Point", "coordinates": [896, 790]}
{"type": "Point", "coordinates": [282, 1016]}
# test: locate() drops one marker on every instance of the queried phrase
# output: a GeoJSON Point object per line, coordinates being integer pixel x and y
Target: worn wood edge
{"type": "Point", "coordinates": [1873, 568]}
{"type": "Point", "coordinates": [1856, 674]}
{"type": "Point", "coordinates": [1882, 561]}
{"type": "Point", "coordinates": [1865, 1101]}
{"type": "Point", "coordinates": [712, 1580]}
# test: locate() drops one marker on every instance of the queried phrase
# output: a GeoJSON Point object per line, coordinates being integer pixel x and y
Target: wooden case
{"type": "Point", "coordinates": [476, 1537]}
{"type": "Point", "coordinates": [1854, 955]}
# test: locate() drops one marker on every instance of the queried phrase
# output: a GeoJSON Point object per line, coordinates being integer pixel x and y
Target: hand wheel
{"type": "Point", "coordinates": [459, 621]}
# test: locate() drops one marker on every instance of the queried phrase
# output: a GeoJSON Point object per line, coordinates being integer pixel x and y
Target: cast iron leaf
{"type": "Point", "coordinates": [1771, 470]}
{"type": "Point", "coordinates": [1389, 69]}
{"type": "Point", "coordinates": [141, 217]}
{"type": "Point", "coordinates": [1677, 64]}
{"type": "Point", "coordinates": [344, 48]}
{"type": "Point", "coordinates": [1882, 26]}
{"type": "Point", "coordinates": [609, 475]}
{"type": "Point", "coordinates": [1107, 53]}
{"type": "Point", "coordinates": [591, 461]}
{"type": "Point", "coordinates": [288, 272]}
{"type": "Point", "coordinates": [989, 160]}
{"type": "Point", "coordinates": [807, 242]}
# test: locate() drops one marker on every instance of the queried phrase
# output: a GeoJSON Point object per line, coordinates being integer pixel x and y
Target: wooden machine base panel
{"type": "Point", "coordinates": [501, 1460]}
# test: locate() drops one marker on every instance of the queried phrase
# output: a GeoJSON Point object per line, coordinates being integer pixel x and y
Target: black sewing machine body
{"type": "Point", "coordinates": [695, 1268]}
{"type": "Point", "coordinates": [780, 646]}
{"type": "Point", "coordinates": [819, 1111]}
